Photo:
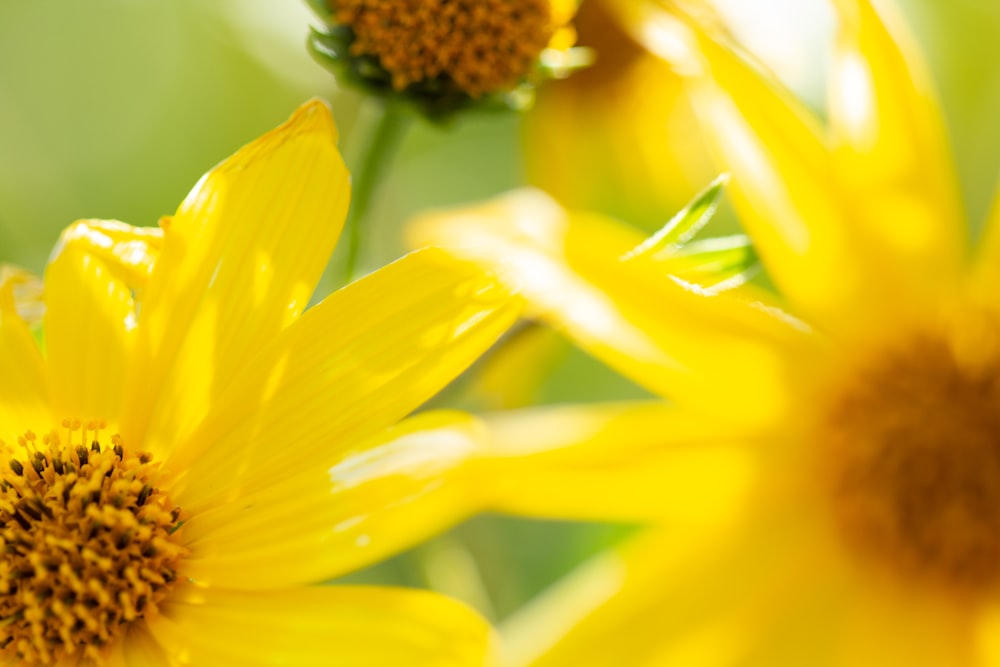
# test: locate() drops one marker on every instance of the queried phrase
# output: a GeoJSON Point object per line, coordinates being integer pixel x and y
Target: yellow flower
{"type": "Point", "coordinates": [618, 136]}
{"type": "Point", "coordinates": [192, 451]}
{"type": "Point", "coordinates": [441, 55]}
{"type": "Point", "coordinates": [826, 479]}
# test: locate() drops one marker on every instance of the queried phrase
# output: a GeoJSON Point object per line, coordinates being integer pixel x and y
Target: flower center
{"type": "Point", "coordinates": [914, 437]}
{"type": "Point", "coordinates": [89, 544]}
{"type": "Point", "coordinates": [481, 46]}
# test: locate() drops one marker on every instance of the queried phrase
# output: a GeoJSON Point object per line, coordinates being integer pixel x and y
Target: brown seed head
{"type": "Point", "coordinates": [482, 46]}
{"type": "Point", "coordinates": [88, 545]}
{"type": "Point", "coordinates": [913, 434]}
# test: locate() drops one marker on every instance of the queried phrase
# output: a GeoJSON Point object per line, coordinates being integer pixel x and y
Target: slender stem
{"type": "Point", "coordinates": [383, 143]}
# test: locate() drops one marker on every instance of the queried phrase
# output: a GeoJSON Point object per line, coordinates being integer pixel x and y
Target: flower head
{"type": "Point", "coordinates": [617, 137]}
{"type": "Point", "coordinates": [442, 53]}
{"type": "Point", "coordinates": [828, 469]}
{"type": "Point", "coordinates": [192, 450]}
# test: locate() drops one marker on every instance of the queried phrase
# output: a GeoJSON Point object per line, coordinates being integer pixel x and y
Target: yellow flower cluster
{"type": "Point", "coordinates": [190, 451]}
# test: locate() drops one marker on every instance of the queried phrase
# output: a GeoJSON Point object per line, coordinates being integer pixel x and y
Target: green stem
{"type": "Point", "coordinates": [383, 143]}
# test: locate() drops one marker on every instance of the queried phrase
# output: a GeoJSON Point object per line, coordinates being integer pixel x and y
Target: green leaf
{"type": "Point", "coordinates": [683, 226]}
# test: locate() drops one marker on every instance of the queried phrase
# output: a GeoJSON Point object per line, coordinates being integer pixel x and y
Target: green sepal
{"type": "Point", "coordinates": [683, 226]}
{"type": "Point", "coordinates": [717, 259]}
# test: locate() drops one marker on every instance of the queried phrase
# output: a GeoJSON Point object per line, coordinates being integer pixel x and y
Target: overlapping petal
{"type": "Point", "coordinates": [629, 462]}
{"type": "Point", "coordinates": [127, 252]}
{"type": "Point", "coordinates": [728, 357]}
{"type": "Point", "coordinates": [89, 332]}
{"type": "Point", "coordinates": [891, 151]}
{"type": "Point", "coordinates": [239, 262]}
{"type": "Point", "coordinates": [783, 183]}
{"type": "Point", "coordinates": [699, 597]}
{"type": "Point", "coordinates": [752, 593]}
{"type": "Point", "coordinates": [340, 512]}
{"type": "Point", "coordinates": [350, 367]}
{"type": "Point", "coordinates": [356, 626]}
{"type": "Point", "coordinates": [840, 249]}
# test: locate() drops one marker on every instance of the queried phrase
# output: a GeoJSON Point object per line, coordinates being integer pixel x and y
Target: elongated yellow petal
{"type": "Point", "coordinates": [694, 597]}
{"type": "Point", "coordinates": [239, 262]}
{"type": "Point", "coordinates": [355, 364]}
{"type": "Point", "coordinates": [891, 151]}
{"type": "Point", "coordinates": [339, 511]}
{"type": "Point", "coordinates": [24, 393]}
{"type": "Point", "coordinates": [650, 461]}
{"type": "Point", "coordinates": [89, 333]}
{"type": "Point", "coordinates": [306, 627]}
{"type": "Point", "coordinates": [725, 356]}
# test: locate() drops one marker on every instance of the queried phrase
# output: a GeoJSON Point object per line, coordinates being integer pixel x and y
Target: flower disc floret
{"type": "Point", "coordinates": [913, 437]}
{"type": "Point", "coordinates": [481, 46]}
{"type": "Point", "coordinates": [89, 544]}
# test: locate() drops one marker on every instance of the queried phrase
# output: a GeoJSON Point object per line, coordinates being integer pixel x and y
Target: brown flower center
{"type": "Point", "coordinates": [914, 437]}
{"type": "Point", "coordinates": [482, 46]}
{"type": "Point", "coordinates": [89, 544]}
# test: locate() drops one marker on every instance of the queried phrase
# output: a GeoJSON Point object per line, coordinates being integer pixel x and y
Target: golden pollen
{"type": "Point", "coordinates": [914, 437]}
{"type": "Point", "coordinates": [89, 545]}
{"type": "Point", "coordinates": [481, 46]}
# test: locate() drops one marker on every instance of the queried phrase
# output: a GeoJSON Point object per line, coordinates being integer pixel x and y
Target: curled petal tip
{"type": "Point", "coordinates": [313, 116]}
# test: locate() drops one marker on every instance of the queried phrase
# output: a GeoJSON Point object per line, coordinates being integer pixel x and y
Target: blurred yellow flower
{"type": "Point", "coordinates": [192, 451]}
{"type": "Point", "coordinates": [617, 137]}
{"type": "Point", "coordinates": [827, 478]}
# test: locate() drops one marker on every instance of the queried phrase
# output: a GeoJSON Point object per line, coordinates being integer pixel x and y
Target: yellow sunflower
{"type": "Point", "coordinates": [617, 136]}
{"type": "Point", "coordinates": [190, 451]}
{"type": "Point", "coordinates": [826, 477]}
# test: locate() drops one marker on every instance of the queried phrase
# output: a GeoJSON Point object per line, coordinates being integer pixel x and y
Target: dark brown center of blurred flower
{"type": "Point", "coordinates": [89, 545]}
{"type": "Point", "coordinates": [914, 437]}
{"type": "Point", "coordinates": [482, 46]}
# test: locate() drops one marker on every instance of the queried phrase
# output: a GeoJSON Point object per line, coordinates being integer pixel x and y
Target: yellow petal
{"type": "Point", "coordinates": [353, 365]}
{"type": "Point", "coordinates": [337, 511]}
{"type": "Point", "coordinates": [140, 649]}
{"type": "Point", "coordinates": [786, 184]}
{"type": "Point", "coordinates": [693, 597]}
{"type": "Point", "coordinates": [128, 252]}
{"type": "Point", "coordinates": [715, 354]}
{"type": "Point", "coordinates": [239, 262]}
{"type": "Point", "coordinates": [23, 293]}
{"type": "Point", "coordinates": [89, 333]}
{"type": "Point", "coordinates": [24, 400]}
{"type": "Point", "coordinates": [306, 627]}
{"type": "Point", "coordinates": [891, 150]}
{"type": "Point", "coordinates": [649, 461]}
{"type": "Point", "coordinates": [618, 136]}
{"type": "Point", "coordinates": [512, 375]}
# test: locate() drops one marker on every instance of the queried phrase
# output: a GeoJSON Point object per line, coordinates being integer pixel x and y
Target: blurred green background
{"type": "Point", "coordinates": [114, 108]}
